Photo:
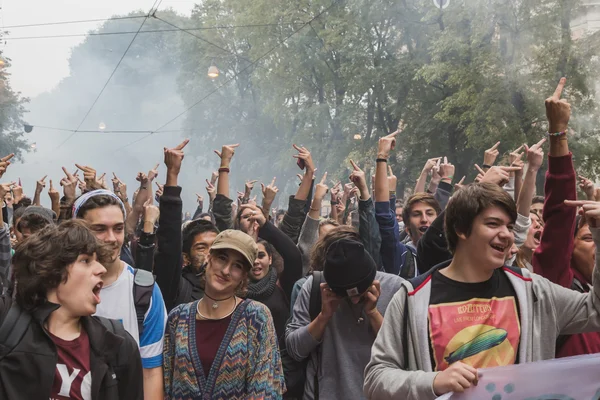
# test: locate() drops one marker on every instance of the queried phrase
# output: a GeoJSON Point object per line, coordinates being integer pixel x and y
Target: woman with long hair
{"type": "Point", "coordinates": [221, 346]}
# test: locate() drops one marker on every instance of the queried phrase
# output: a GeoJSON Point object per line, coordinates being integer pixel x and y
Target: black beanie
{"type": "Point", "coordinates": [349, 270]}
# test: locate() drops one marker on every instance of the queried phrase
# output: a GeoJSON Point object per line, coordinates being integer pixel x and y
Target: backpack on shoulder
{"type": "Point", "coordinates": [143, 286]}
{"type": "Point", "coordinates": [13, 329]}
{"type": "Point", "coordinates": [295, 371]}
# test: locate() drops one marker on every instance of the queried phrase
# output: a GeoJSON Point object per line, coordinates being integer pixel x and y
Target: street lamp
{"type": "Point", "coordinates": [357, 136]}
{"type": "Point", "coordinates": [102, 126]}
{"type": "Point", "coordinates": [213, 71]}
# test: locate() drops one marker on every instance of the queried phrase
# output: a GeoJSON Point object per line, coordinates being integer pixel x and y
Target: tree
{"type": "Point", "coordinates": [12, 108]}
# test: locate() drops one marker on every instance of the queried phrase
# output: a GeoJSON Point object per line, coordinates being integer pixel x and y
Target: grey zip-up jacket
{"type": "Point", "coordinates": [546, 311]}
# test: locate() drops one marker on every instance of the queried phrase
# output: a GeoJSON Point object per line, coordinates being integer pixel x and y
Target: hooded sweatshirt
{"type": "Point", "coordinates": [401, 367]}
{"type": "Point", "coordinates": [552, 258]}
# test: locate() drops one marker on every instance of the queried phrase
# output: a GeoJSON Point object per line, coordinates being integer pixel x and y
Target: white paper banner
{"type": "Point", "coordinates": [573, 378]}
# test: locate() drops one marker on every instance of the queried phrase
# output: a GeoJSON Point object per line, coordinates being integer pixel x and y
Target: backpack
{"type": "Point", "coordinates": [143, 286]}
{"type": "Point", "coordinates": [295, 371]}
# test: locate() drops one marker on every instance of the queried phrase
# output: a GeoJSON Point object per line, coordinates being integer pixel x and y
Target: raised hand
{"type": "Point", "coordinates": [304, 155]}
{"type": "Point", "coordinates": [386, 145]}
{"type": "Point", "coordinates": [102, 182]}
{"type": "Point", "coordinates": [226, 154]}
{"type": "Point", "coordinates": [460, 184]}
{"type": "Point", "coordinates": [199, 198]}
{"type": "Point", "coordinates": [115, 181]}
{"type": "Point", "coordinates": [248, 188]}
{"type": "Point", "coordinates": [589, 209]}
{"type": "Point", "coordinates": [431, 164]}
{"type": "Point", "coordinates": [490, 155]}
{"type": "Point", "coordinates": [89, 176]}
{"type": "Point", "coordinates": [151, 212]}
{"type": "Point", "coordinates": [142, 178]}
{"type": "Point", "coordinates": [53, 193]}
{"type": "Point", "coordinates": [173, 158]}
{"type": "Point", "coordinates": [213, 177]}
{"type": "Point", "coordinates": [321, 188]}
{"type": "Point", "coordinates": [17, 193]}
{"type": "Point", "coordinates": [535, 155]}
{"type": "Point", "coordinates": [5, 188]}
{"type": "Point", "coordinates": [269, 192]}
{"type": "Point", "coordinates": [515, 155]}
{"type": "Point", "coordinates": [211, 190]}
{"type": "Point", "coordinates": [153, 173]}
{"type": "Point", "coordinates": [558, 111]}
{"type": "Point", "coordinates": [358, 177]}
{"type": "Point", "coordinates": [41, 184]}
{"type": "Point", "coordinates": [4, 163]}
{"type": "Point", "coordinates": [497, 175]}
{"type": "Point", "coordinates": [446, 170]}
{"type": "Point", "coordinates": [69, 184]}
{"type": "Point", "coordinates": [159, 191]}
{"type": "Point", "coordinates": [330, 301]}
{"type": "Point", "coordinates": [392, 180]}
{"type": "Point", "coordinates": [587, 187]}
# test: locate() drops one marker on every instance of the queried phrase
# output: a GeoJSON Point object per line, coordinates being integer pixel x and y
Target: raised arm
{"type": "Point", "coordinates": [535, 157]}
{"type": "Point", "coordinates": [168, 258]}
{"type": "Point", "coordinates": [552, 258]}
{"type": "Point", "coordinates": [222, 207]}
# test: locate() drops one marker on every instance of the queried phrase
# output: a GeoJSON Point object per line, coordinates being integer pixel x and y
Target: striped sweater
{"type": "Point", "coordinates": [247, 364]}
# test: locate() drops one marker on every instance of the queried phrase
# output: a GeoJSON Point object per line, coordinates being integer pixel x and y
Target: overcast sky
{"type": "Point", "coordinates": [38, 65]}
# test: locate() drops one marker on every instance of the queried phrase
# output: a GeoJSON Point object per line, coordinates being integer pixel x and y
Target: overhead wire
{"type": "Point", "coordinates": [71, 22]}
{"type": "Point", "coordinates": [152, 9]}
{"type": "Point", "coordinates": [187, 30]}
{"type": "Point", "coordinates": [335, 2]}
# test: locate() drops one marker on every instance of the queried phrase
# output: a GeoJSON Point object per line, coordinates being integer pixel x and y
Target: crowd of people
{"type": "Point", "coordinates": [377, 297]}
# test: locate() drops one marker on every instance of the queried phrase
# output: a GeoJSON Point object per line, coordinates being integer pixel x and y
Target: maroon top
{"type": "Point", "coordinates": [73, 379]}
{"type": "Point", "coordinates": [209, 335]}
{"type": "Point", "coordinates": [552, 258]}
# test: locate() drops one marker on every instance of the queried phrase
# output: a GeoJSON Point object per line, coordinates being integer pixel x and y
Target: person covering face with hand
{"type": "Point", "coordinates": [354, 298]}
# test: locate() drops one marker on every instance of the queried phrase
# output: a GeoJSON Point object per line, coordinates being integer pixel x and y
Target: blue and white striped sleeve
{"type": "Point", "coordinates": [153, 334]}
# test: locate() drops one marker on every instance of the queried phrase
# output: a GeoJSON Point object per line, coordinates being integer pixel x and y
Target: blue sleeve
{"type": "Point", "coordinates": [392, 251]}
{"type": "Point", "coordinates": [153, 334]}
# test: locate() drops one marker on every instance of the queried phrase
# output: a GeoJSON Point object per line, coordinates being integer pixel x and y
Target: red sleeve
{"type": "Point", "coordinates": [552, 259]}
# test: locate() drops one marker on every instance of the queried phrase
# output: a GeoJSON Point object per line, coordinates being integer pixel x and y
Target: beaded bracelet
{"type": "Point", "coordinates": [557, 133]}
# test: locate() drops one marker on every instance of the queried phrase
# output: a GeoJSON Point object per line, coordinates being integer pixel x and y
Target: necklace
{"type": "Point", "coordinates": [359, 319]}
{"type": "Point", "coordinates": [216, 319]}
{"type": "Point", "coordinates": [215, 305]}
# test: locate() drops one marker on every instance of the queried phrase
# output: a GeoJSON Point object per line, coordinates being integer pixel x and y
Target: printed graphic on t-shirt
{"type": "Point", "coordinates": [71, 384]}
{"type": "Point", "coordinates": [483, 333]}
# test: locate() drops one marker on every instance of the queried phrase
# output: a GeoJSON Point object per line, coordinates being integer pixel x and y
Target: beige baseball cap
{"type": "Point", "coordinates": [238, 241]}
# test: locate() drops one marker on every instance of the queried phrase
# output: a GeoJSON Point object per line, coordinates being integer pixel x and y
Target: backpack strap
{"type": "Point", "coordinates": [143, 286]}
{"type": "Point", "coordinates": [13, 328]}
{"type": "Point", "coordinates": [314, 310]}
{"type": "Point", "coordinates": [405, 331]}
{"type": "Point", "coordinates": [408, 269]}
{"type": "Point", "coordinates": [314, 307]}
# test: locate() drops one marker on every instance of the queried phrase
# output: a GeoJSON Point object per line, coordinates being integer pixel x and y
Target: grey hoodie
{"type": "Point", "coordinates": [345, 348]}
{"type": "Point", "coordinates": [546, 311]}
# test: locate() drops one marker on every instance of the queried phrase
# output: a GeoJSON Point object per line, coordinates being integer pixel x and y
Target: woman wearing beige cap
{"type": "Point", "coordinates": [221, 346]}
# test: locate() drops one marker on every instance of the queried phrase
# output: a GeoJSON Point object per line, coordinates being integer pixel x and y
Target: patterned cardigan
{"type": "Point", "coordinates": [247, 364]}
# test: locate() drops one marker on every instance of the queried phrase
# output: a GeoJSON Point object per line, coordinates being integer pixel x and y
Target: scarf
{"type": "Point", "coordinates": [264, 288]}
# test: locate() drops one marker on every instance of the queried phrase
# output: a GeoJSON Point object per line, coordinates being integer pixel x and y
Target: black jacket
{"type": "Point", "coordinates": [28, 371]}
{"type": "Point", "coordinates": [432, 248]}
{"type": "Point", "coordinates": [168, 258]}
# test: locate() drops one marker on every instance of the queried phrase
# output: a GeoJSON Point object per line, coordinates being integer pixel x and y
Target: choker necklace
{"type": "Point", "coordinates": [215, 303]}
{"type": "Point", "coordinates": [216, 319]}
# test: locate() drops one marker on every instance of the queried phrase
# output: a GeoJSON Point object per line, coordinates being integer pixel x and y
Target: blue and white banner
{"type": "Point", "coordinates": [573, 378]}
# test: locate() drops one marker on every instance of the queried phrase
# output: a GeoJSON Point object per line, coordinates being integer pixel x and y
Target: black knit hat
{"type": "Point", "coordinates": [349, 270]}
